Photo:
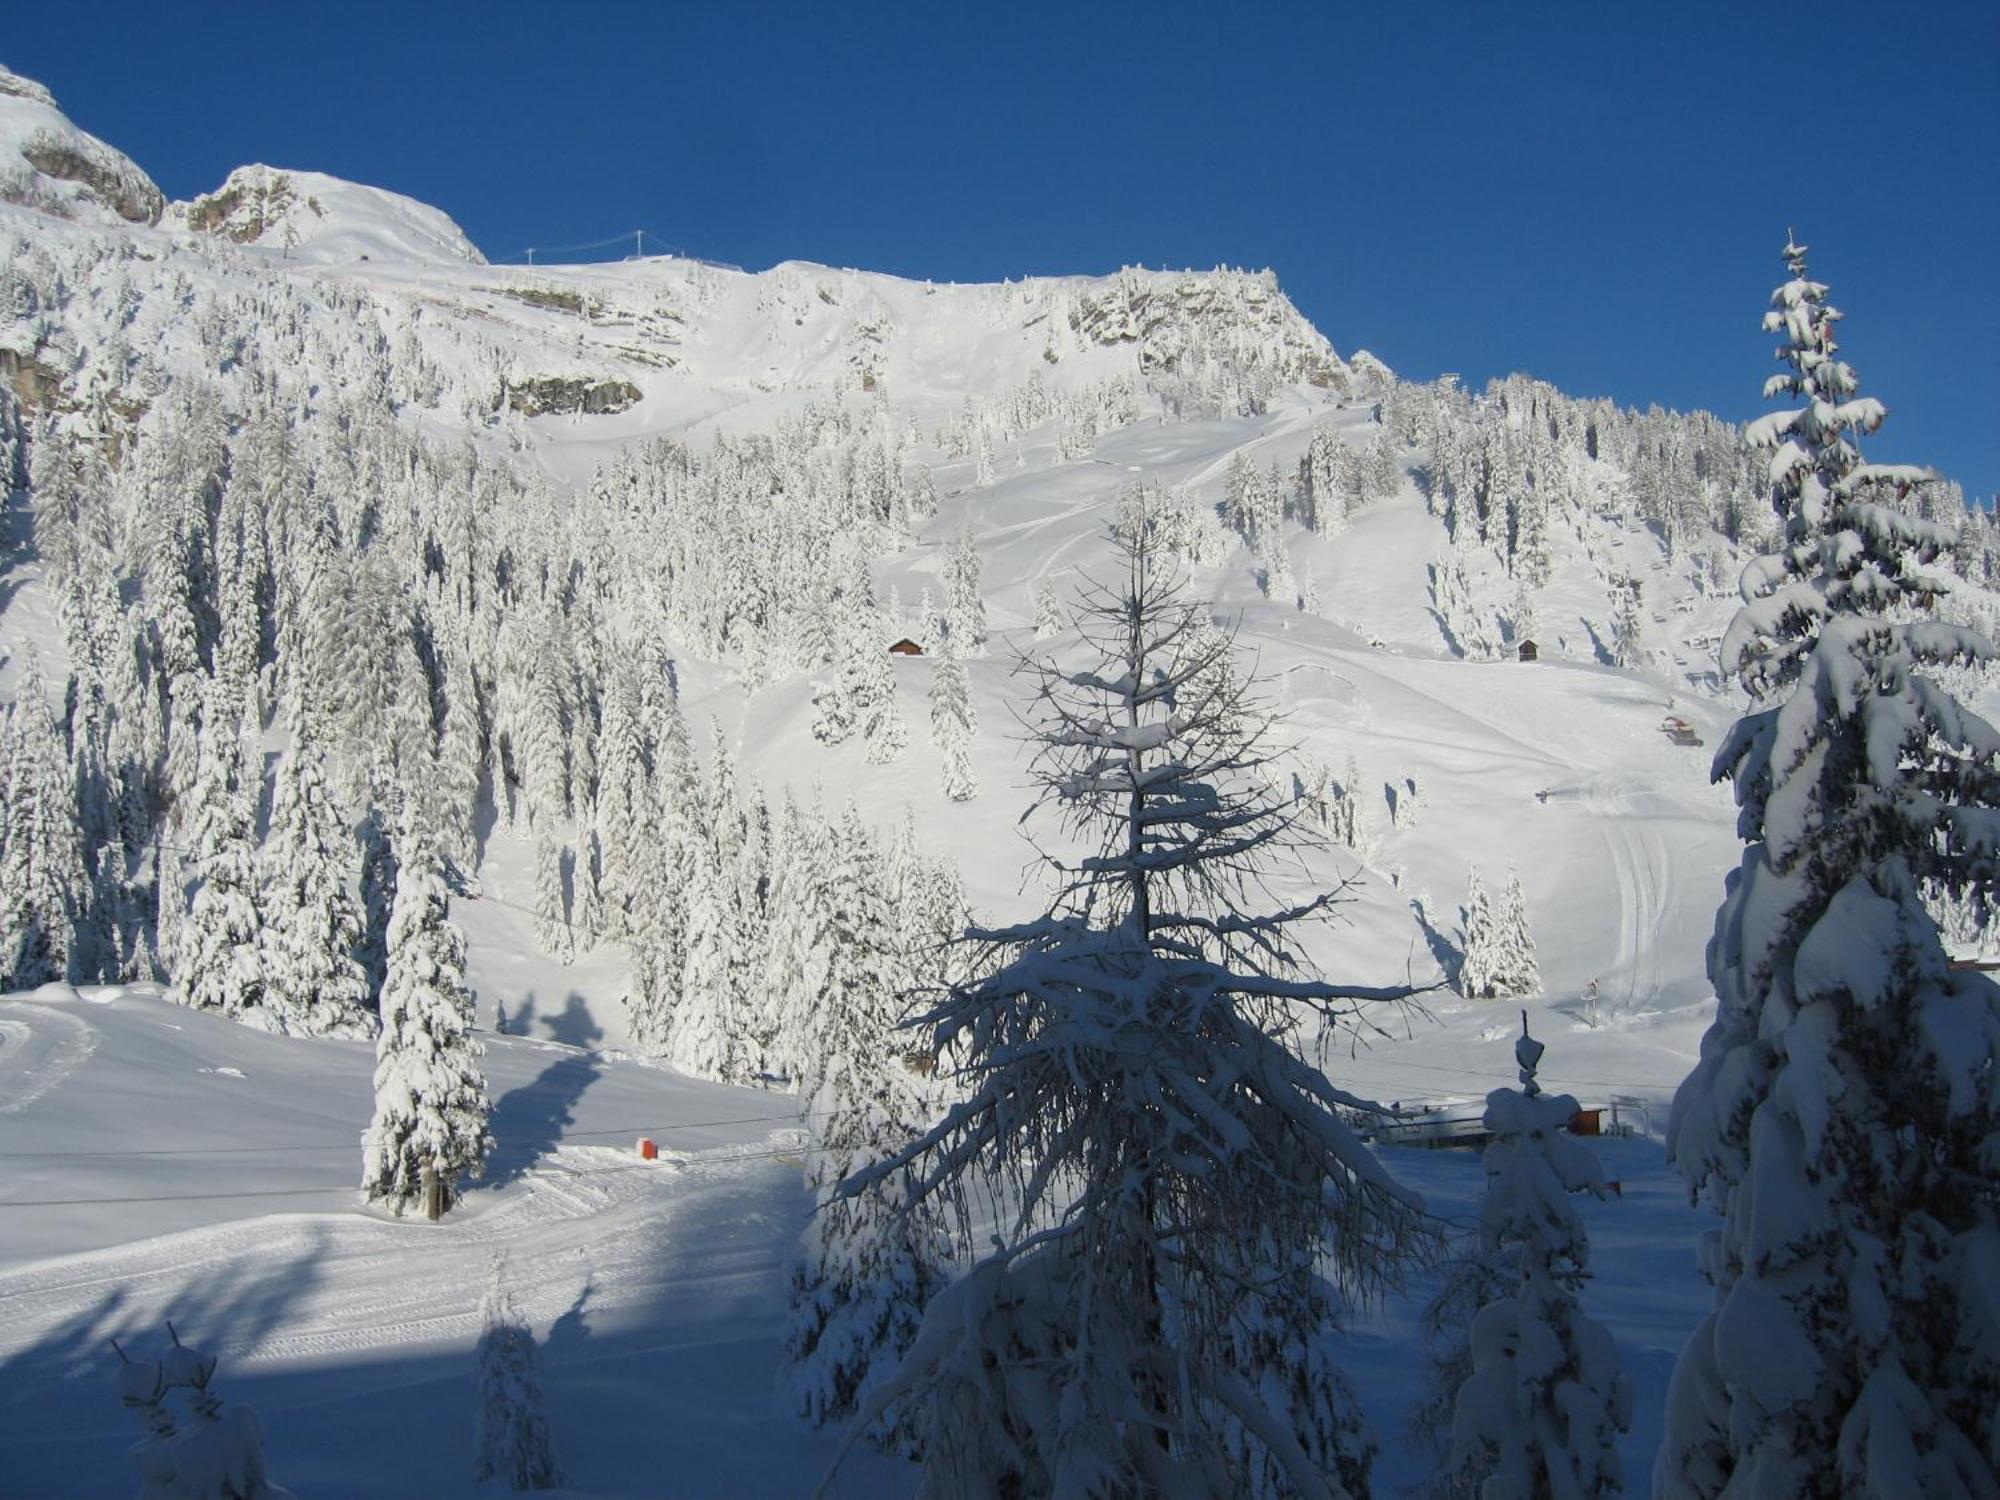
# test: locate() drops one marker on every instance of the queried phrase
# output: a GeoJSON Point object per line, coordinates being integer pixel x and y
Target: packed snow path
{"type": "Point", "coordinates": [660, 1288]}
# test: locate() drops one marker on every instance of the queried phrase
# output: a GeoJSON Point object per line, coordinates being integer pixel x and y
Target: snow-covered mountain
{"type": "Point", "coordinates": [320, 219]}
{"type": "Point", "coordinates": [566, 556]}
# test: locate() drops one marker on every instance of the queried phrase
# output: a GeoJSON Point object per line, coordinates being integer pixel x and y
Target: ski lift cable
{"type": "Point", "coordinates": [638, 236]}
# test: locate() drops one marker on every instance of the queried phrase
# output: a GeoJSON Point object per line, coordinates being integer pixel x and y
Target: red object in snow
{"type": "Point", "coordinates": [648, 1149]}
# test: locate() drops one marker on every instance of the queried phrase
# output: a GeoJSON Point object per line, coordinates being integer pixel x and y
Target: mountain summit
{"type": "Point", "coordinates": [325, 220]}
{"type": "Point", "coordinates": [48, 164]}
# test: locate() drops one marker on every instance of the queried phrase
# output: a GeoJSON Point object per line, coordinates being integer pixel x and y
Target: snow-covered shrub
{"type": "Point", "coordinates": [1541, 1410]}
{"type": "Point", "coordinates": [511, 1437]}
{"type": "Point", "coordinates": [205, 1452]}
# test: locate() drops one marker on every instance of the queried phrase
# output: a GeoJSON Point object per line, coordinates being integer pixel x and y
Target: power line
{"type": "Point", "coordinates": [648, 1130]}
{"type": "Point", "coordinates": [170, 1197]}
{"type": "Point", "coordinates": [1596, 1083]}
{"type": "Point", "coordinates": [768, 1155]}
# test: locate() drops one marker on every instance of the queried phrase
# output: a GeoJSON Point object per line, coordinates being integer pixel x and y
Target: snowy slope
{"type": "Point", "coordinates": [659, 1287]}
{"type": "Point", "coordinates": [657, 1290]}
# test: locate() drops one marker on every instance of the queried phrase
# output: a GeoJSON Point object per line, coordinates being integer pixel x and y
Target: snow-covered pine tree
{"type": "Point", "coordinates": [1466, 628]}
{"type": "Point", "coordinates": [1239, 501]}
{"type": "Point", "coordinates": [1514, 966]}
{"type": "Point", "coordinates": [41, 868]}
{"type": "Point", "coordinates": [1404, 796]}
{"type": "Point", "coordinates": [1176, 1172]}
{"type": "Point", "coordinates": [552, 930]}
{"type": "Point", "coordinates": [953, 723]}
{"type": "Point", "coordinates": [982, 473]}
{"type": "Point", "coordinates": [927, 898]}
{"type": "Point", "coordinates": [870, 1262]}
{"type": "Point", "coordinates": [965, 605]}
{"type": "Point", "coordinates": [835, 711]}
{"type": "Point", "coordinates": [753, 1023]}
{"type": "Point", "coordinates": [549, 800]}
{"type": "Point", "coordinates": [884, 733]}
{"type": "Point", "coordinates": [1292, 1347]}
{"type": "Point", "coordinates": [1322, 482]}
{"type": "Point", "coordinates": [1523, 623]}
{"type": "Point", "coordinates": [1346, 823]}
{"type": "Point", "coordinates": [792, 957]}
{"type": "Point", "coordinates": [1468, 1279]}
{"type": "Point", "coordinates": [929, 627]}
{"type": "Point", "coordinates": [705, 1034]}
{"type": "Point", "coordinates": [220, 960]}
{"type": "Point", "coordinates": [431, 1106]}
{"type": "Point", "coordinates": [620, 808]}
{"type": "Point", "coordinates": [1533, 562]}
{"type": "Point", "coordinates": [1275, 568]}
{"type": "Point", "coordinates": [313, 984]}
{"type": "Point", "coordinates": [180, 782]}
{"type": "Point", "coordinates": [511, 1438]}
{"type": "Point", "coordinates": [1479, 975]}
{"type": "Point", "coordinates": [1380, 466]}
{"type": "Point", "coordinates": [671, 844]}
{"type": "Point", "coordinates": [1542, 1409]}
{"type": "Point", "coordinates": [1845, 1113]}
{"type": "Point", "coordinates": [109, 817]}
{"type": "Point", "coordinates": [1049, 618]}
{"type": "Point", "coordinates": [378, 885]}
{"type": "Point", "coordinates": [239, 648]}
{"type": "Point", "coordinates": [1499, 951]}
{"type": "Point", "coordinates": [1628, 623]}
{"type": "Point", "coordinates": [461, 753]}
{"type": "Point", "coordinates": [586, 871]}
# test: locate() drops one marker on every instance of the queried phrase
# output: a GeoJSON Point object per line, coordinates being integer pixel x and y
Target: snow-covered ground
{"type": "Point", "coordinates": [159, 1165]}
{"type": "Point", "coordinates": [163, 1165]}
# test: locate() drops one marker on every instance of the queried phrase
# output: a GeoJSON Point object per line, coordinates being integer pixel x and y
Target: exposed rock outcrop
{"type": "Point", "coordinates": [47, 164]}
{"type": "Point", "coordinates": [563, 395]}
{"type": "Point", "coordinates": [325, 220]}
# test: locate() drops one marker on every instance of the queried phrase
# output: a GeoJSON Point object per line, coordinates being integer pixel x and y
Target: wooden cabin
{"type": "Point", "coordinates": [906, 647]}
{"type": "Point", "coordinates": [1530, 651]}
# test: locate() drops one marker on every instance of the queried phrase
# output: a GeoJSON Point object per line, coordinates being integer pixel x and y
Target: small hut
{"type": "Point", "coordinates": [1530, 651]}
{"type": "Point", "coordinates": [906, 647]}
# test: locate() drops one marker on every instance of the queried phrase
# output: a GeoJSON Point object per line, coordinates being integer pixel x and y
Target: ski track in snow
{"type": "Point", "coordinates": [1645, 881]}
{"type": "Point", "coordinates": [40, 1047]}
{"type": "Point", "coordinates": [583, 1219]}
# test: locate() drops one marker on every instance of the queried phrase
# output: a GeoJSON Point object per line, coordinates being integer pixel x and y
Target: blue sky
{"type": "Point", "coordinates": [1595, 194]}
